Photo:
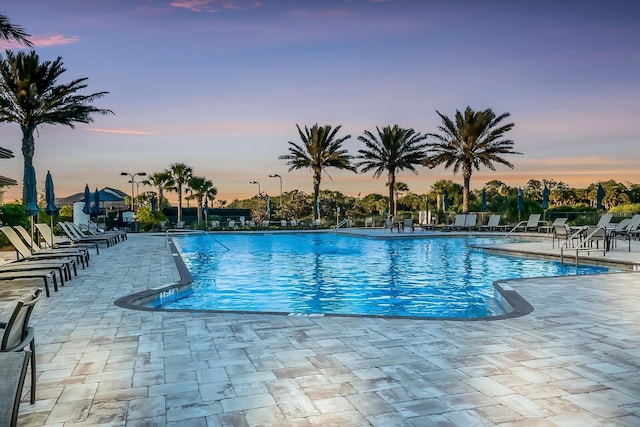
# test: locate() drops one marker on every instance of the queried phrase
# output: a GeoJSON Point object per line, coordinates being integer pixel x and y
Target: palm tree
{"type": "Point", "coordinates": [474, 139]}
{"type": "Point", "coordinates": [162, 181]}
{"type": "Point", "coordinates": [31, 97]}
{"type": "Point", "coordinates": [320, 149]}
{"type": "Point", "coordinates": [201, 188]}
{"type": "Point", "coordinates": [392, 150]}
{"type": "Point", "coordinates": [180, 176]}
{"type": "Point", "coordinates": [10, 32]}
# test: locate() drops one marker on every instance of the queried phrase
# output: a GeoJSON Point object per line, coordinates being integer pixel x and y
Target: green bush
{"type": "Point", "coordinates": [147, 220]}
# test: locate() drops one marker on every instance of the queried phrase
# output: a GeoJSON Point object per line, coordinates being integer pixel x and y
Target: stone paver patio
{"type": "Point", "coordinates": [574, 361]}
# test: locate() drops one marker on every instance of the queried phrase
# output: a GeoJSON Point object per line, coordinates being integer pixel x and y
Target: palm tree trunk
{"type": "Point", "coordinates": [392, 202]}
{"type": "Point", "coordinates": [316, 193]}
{"type": "Point", "coordinates": [179, 203]}
{"type": "Point", "coordinates": [466, 177]}
{"type": "Point", "coordinates": [28, 149]}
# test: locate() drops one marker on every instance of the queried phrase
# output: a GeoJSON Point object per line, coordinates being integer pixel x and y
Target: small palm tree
{"type": "Point", "coordinates": [475, 138]}
{"type": "Point", "coordinates": [160, 180]}
{"type": "Point", "coordinates": [180, 175]}
{"type": "Point", "coordinates": [320, 149]}
{"type": "Point", "coordinates": [201, 188]}
{"type": "Point", "coordinates": [31, 97]}
{"type": "Point", "coordinates": [10, 32]}
{"type": "Point", "coordinates": [392, 150]}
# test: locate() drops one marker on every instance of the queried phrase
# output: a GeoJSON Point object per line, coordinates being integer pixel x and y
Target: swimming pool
{"type": "Point", "coordinates": [327, 273]}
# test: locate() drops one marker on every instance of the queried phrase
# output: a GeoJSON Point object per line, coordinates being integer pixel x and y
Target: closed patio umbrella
{"type": "Point", "coordinates": [31, 194]}
{"type": "Point", "coordinates": [87, 200]}
{"type": "Point", "coordinates": [51, 209]}
{"type": "Point", "coordinates": [96, 204]}
{"type": "Point", "coordinates": [545, 199]}
{"type": "Point", "coordinates": [599, 196]}
{"type": "Point", "coordinates": [483, 200]}
{"type": "Point", "coordinates": [520, 202]}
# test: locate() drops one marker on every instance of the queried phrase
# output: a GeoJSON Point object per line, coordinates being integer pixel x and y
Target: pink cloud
{"type": "Point", "coordinates": [41, 40]}
{"type": "Point", "coordinates": [215, 5]}
{"type": "Point", "coordinates": [121, 131]}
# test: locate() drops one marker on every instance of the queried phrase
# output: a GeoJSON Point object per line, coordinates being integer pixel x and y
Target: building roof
{"type": "Point", "coordinates": [5, 153]}
{"type": "Point", "coordinates": [5, 182]}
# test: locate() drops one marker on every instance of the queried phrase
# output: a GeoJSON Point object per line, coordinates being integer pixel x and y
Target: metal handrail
{"type": "Point", "coordinates": [182, 230]}
{"type": "Point", "coordinates": [343, 222]}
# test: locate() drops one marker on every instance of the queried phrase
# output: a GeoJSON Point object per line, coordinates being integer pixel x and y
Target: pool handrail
{"type": "Point", "coordinates": [183, 231]}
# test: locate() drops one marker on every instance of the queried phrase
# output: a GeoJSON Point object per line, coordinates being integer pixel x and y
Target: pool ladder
{"type": "Point", "coordinates": [342, 223]}
{"type": "Point", "coordinates": [183, 231]}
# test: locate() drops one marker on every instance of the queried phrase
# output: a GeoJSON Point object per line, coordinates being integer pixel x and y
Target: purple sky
{"type": "Point", "coordinates": [220, 85]}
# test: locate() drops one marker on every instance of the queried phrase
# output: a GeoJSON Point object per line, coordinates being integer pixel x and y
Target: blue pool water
{"type": "Point", "coordinates": [326, 273]}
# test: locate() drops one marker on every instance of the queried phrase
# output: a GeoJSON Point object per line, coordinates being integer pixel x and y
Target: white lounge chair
{"type": "Point", "coordinates": [530, 224]}
{"type": "Point", "coordinates": [458, 223]}
{"type": "Point", "coordinates": [493, 224]}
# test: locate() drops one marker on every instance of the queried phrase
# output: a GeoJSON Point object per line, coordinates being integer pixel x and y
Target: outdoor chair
{"type": "Point", "coordinates": [408, 223]}
{"type": "Point", "coordinates": [81, 255]}
{"type": "Point", "coordinates": [76, 235]}
{"type": "Point", "coordinates": [46, 233]}
{"type": "Point", "coordinates": [530, 224]}
{"type": "Point", "coordinates": [18, 335]}
{"type": "Point", "coordinates": [550, 227]}
{"type": "Point", "coordinates": [493, 224]}
{"type": "Point", "coordinates": [458, 223]}
{"type": "Point", "coordinates": [470, 222]}
{"type": "Point", "coordinates": [13, 371]}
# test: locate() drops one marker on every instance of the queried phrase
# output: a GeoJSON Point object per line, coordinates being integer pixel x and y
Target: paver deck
{"type": "Point", "coordinates": [574, 361]}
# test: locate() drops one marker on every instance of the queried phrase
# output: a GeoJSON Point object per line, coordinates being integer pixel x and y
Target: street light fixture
{"type": "Point", "coordinates": [133, 181]}
{"type": "Point", "coordinates": [256, 182]}
{"type": "Point", "coordinates": [275, 175]}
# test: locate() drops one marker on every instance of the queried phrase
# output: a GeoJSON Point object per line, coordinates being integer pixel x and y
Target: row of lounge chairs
{"type": "Point", "coordinates": [43, 259]}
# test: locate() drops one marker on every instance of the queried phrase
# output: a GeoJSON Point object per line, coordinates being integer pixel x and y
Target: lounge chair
{"type": "Point", "coordinates": [470, 222]}
{"type": "Point", "coordinates": [23, 253]}
{"type": "Point", "coordinates": [81, 254]}
{"type": "Point", "coordinates": [93, 229]}
{"type": "Point", "coordinates": [530, 224]}
{"type": "Point", "coordinates": [18, 335]}
{"type": "Point", "coordinates": [458, 223]}
{"type": "Point", "coordinates": [76, 235]}
{"type": "Point", "coordinates": [294, 223]}
{"type": "Point", "coordinates": [368, 222]}
{"type": "Point", "coordinates": [625, 230]}
{"type": "Point", "coordinates": [283, 223]}
{"type": "Point", "coordinates": [493, 224]}
{"type": "Point", "coordinates": [45, 233]}
{"type": "Point", "coordinates": [388, 223]}
{"type": "Point", "coordinates": [548, 228]}
{"type": "Point", "coordinates": [231, 224]}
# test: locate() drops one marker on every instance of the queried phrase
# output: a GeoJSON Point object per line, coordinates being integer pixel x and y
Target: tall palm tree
{"type": "Point", "coordinates": [201, 188]}
{"type": "Point", "coordinates": [9, 32]}
{"type": "Point", "coordinates": [475, 138]}
{"type": "Point", "coordinates": [161, 181]}
{"type": "Point", "coordinates": [320, 149]}
{"type": "Point", "coordinates": [31, 97]}
{"type": "Point", "coordinates": [180, 175]}
{"type": "Point", "coordinates": [392, 150]}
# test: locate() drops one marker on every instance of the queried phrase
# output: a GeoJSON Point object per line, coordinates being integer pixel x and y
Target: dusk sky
{"type": "Point", "coordinates": [221, 85]}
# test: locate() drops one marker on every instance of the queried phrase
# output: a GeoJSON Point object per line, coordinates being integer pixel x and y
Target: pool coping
{"type": "Point", "coordinates": [140, 300]}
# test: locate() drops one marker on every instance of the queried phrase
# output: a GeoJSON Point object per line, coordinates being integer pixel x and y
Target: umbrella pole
{"type": "Point", "coordinates": [52, 241]}
{"type": "Point", "coordinates": [31, 220]}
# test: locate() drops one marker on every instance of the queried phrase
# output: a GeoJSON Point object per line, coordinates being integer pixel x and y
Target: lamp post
{"type": "Point", "coordinates": [137, 183]}
{"type": "Point", "coordinates": [256, 182]}
{"type": "Point", "coordinates": [133, 181]}
{"type": "Point", "coordinates": [275, 175]}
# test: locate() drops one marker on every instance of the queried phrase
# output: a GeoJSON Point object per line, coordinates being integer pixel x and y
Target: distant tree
{"type": "Point", "coordinates": [31, 97]}
{"type": "Point", "coordinates": [392, 150]}
{"type": "Point", "coordinates": [201, 189]}
{"type": "Point", "coordinates": [475, 138]}
{"type": "Point", "coordinates": [297, 205]}
{"type": "Point", "coordinates": [533, 190]}
{"type": "Point", "coordinates": [162, 181]}
{"type": "Point", "coordinates": [374, 203]}
{"type": "Point", "coordinates": [10, 32]}
{"type": "Point", "coordinates": [320, 149]}
{"type": "Point", "coordinates": [180, 175]}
